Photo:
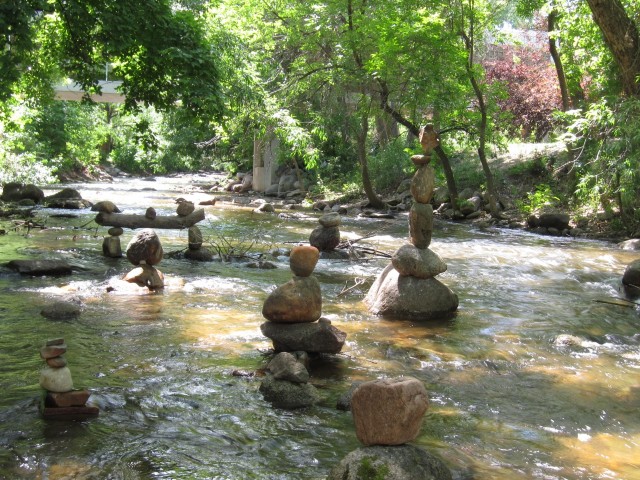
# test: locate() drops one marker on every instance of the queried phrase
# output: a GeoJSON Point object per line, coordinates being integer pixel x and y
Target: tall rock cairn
{"type": "Point", "coordinates": [407, 288]}
{"type": "Point", "coordinates": [144, 251]}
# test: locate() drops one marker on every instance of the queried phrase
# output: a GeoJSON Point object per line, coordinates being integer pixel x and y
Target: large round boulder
{"type": "Point", "coordinates": [411, 298]}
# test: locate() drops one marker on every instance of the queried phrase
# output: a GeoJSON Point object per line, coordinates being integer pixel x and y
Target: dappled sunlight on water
{"type": "Point", "coordinates": [511, 398]}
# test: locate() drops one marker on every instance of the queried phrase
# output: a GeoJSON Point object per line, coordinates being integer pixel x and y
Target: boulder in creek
{"type": "Point", "coordinates": [297, 301]}
{"type": "Point", "coordinates": [403, 462]}
{"type": "Point", "coordinates": [105, 206]}
{"type": "Point", "coordinates": [56, 379]}
{"type": "Point", "coordinates": [417, 262]}
{"type": "Point", "coordinates": [285, 366]}
{"type": "Point", "coordinates": [631, 244]}
{"type": "Point", "coordinates": [410, 298]}
{"type": "Point", "coordinates": [288, 395]}
{"type": "Point", "coordinates": [325, 239]}
{"type": "Point", "coordinates": [389, 411]}
{"type": "Point", "coordinates": [61, 311]}
{"type": "Point", "coordinates": [316, 337]}
{"type": "Point", "coordinates": [14, 192]}
{"type": "Point", "coordinates": [202, 254]}
{"type": "Point", "coordinates": [65, 193]}
{"type": "Point", "coordinates": [631, 274]}
{"type": "Point", "coordinates": [195, 238]}
{"type": "Point", "coordinates": [40, 267]}
{"type": "Point", "coordinates": [145, 247]}
{"type": "Point", "coordinates": [559, 221]}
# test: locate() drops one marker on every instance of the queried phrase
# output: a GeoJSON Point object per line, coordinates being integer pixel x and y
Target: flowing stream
{"type": "Point", "coordinates": [508, 401]}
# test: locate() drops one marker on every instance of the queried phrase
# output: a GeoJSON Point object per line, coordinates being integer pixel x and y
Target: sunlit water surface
{"type": "Point", "coordinates": [507, 402]}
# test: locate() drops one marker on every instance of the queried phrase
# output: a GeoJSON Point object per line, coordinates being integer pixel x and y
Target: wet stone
{"type": "Point", "coordinates": [115, 231]}
{"type": "Point", "coordinates": [423, 184]}
{"type": "Point", "coordinates": [421, 224]}
{"type": "Point", "coordinates": [330, 220]}
{"type": "Point", "coordinates": [111, 247]}
{"type": "Point", "coordinates": [56, 379]}
{"type": "Point", "coordinates": [303, 260]}
{"type": "Point", "coordinates": [185, 208]}
{"type": "Point", "coordinates": [74, 398]}
{"type": "Point", "coordinates": [57, 362]}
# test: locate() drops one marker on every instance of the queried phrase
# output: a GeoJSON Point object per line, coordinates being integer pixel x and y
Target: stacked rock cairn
{"type": "Point", "coordinates": [294, 325]}
{"type": "Point", "coordinates": [61, 399]}
{"type": "Point", "coordinates": [196, 251]}
{"type": "Point", "coordinates": [407, 288]}
{"type": "Point", "coordinates": [111, 245]}
{"type": "Point", "coordinates": [326, 236]}
{"type": "Point", "coordinates": [145, 250]}
{"type": "Point", "coordinates": [388, 414]}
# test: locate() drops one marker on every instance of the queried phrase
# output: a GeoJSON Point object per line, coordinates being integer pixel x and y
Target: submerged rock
{"type": "Point", "coordinates": [404, 462]}
{"type": "Point", "coordinates": [288, 395]}
{"type": "Point", "coordinates": [40, 267]}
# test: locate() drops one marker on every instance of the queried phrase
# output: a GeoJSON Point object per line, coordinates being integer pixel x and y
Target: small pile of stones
{"type": "Point", "coordinates": [294, 310]}
{"type": "Point", "coordinates": [111, 245]}
{"type": "Point", "coordinates": [286, 384]}
{"type": "Point", "coordinates": [326, 236]}
{"type": "Point", "coordinates": [61, 399]}
{"type": "Point", "coordinates": [196, 251]}
{"type": "Point", "coordinates": [145, 250]}
{"type": "Point", "coordinates": [388, 414]}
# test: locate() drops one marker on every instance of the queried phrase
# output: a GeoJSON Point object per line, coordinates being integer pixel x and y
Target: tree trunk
{"type": "Point", "coordinates": [482, 128]}
{"type": "Point", "coordinates": [374, 200]}
{"type": "Point", "coordinates": [621, 36]}
{"type": "Point", "coordinates": [557, 61]}
{"type": "Point", "coordinates": [140, 221]}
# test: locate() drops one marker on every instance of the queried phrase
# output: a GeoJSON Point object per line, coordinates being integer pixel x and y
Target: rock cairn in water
{"type": "Point", "coordinates": [295, 327]}
{"type": "Point", "coordinates": [61, 399]}
{"type": "Point", "coordinates": [145, 251]}
{"type": "Point", "coordinates": [326, 236]}
{"type": "Point", "coordinates": [111, 245]}
{"type": "Point", "coordinates": [195, 250]}
{"type": "Point", "coordinates": [407, 288]}
{"type": "Point", "coordinates": [387, 415]}
{"type": "Point", "coordinates": [294, 310]}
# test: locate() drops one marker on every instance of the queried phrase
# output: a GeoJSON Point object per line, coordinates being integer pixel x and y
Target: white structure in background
{"type": "Point", "coordinates": [72, 91]}
{"type": "Point", "coordinates": [265, 162]}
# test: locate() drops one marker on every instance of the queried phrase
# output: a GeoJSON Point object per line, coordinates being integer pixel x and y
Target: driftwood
{"type": "Point", "coordinates": [140, 221]}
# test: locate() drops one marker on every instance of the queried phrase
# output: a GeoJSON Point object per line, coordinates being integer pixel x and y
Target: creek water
{"type": "Point", "coordinates": [508, 401]}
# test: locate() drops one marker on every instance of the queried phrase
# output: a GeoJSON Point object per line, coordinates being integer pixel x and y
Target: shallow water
{"type": "Point", "coordinates": [507, 402]}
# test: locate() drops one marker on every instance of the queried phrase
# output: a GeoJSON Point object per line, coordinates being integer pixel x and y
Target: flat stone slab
{"type": "Point", "coordinates": [40, 267]}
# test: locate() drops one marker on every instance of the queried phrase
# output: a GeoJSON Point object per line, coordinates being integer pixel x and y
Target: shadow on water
{"type": "Point", "coordinates": [533, 377]}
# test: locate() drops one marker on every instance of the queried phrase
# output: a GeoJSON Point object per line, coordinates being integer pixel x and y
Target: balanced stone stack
{"type": "Point", "coordinates": [61, 399]}
{"type": "Point", "coordinates": [196, 251]}
{"type": "Point", "coordinates": [145, 250]}
{"type": "Point", "coordinates": [293, 310]}
{"type": "Point", "coordinates": [407, 288]}
{"type": "Point", "coordinates": [387, 415]}
{"type": "Point", "coordinates": [111, 245]}
{"type": "Point", "coordinates": [286, 383]}
{"type": "Point", "coordinates": [326, 236]}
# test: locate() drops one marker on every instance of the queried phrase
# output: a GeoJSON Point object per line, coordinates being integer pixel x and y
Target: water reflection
{"type": "Point", "coordinates": [508, 400]}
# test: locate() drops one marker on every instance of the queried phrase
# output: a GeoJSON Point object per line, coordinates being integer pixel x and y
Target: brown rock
{"type": "Point", "coordinates": [105, 206]}
{"type": "Point", "coordinates": [421, 224]}
{"type": "Point", "coordinates": [145, 247]}
{"type": "Point", "coordinates": [52, 351]}
{"type": "Point", "coordinates": [57, 362]}
{"type": "Point", "coordinates": [313, 337]}
{"type": "Point", "coordinates": [297, 301]}
{"type": "Point", "coordinates": [146, 276]}
{"type": "Point", "coordinates": [55, 341]}
{"type": "Point", "coordinates": [115, 231]}
{"type": "Point", "coordinates": [419, 160]}
{"type": "Point", "coordinates": [303, 259]}
{"type": "Point", "coordinates": [330, 220]}
{"type": "Point", "coordinates": [423, 184]}
{"type": "Point", "coordinates": [428, 138]}
{"type": "Point", "coordinates": [195, 238]}
{"type": "Point", "coordinates": [185, 208]}
{"type": "Point", "coordinates": [389, 411]}
{"type": "Point", "coordinates": [74, 398]}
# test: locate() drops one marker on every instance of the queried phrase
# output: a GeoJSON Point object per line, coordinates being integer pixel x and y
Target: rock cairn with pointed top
{"type": "Point", "coordinates": [407, 288]}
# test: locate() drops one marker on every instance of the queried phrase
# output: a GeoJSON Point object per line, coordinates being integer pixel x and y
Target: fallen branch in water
{"type": "Point", "coordinates": [620, 302]}
{"type": "Point", "coordinates": [358, 282]}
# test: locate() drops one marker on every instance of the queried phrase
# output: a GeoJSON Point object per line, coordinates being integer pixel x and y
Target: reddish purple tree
{"type": "Point", "coordinates": [532, 89]}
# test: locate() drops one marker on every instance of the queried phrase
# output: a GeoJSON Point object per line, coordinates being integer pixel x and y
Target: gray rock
{"type": "Point", "coordinates": [404, 462]}
{"type": "Point", "coordinates": [56, 379]}
{"type": "Point", "coordinates": [554, 220]}
{"type": "Point", "coordinates": [194, 238]}
{"type": "Point", "coordinates": [105, 206]}
{"type": "Point", "coordinates": [344, 402]}
{"type": "Point", "coordinates": [399, 297]}
{"type": "Point", "coordinates": [115, 231]}
{"type": "Point", "coordinates": [330, 220]}
{"type": "Point", "coordinates": [14, 192]}
{"type": "Point", "coordinates": [631, 244]}
{"type": "Point", "coordinates": [61, 311]}
{"type": "Point", "coordinates": [631, 274]}
{"type": "Point", "coordinates": [40, 267]}
{"type": "Point", "coordinates": [421, 224]}
{"type": "Point", "coordinates": [288, 395]}
{"type": "Point", "coordinates": [201, 254]}
{"type": "Point", "coordinates": [66, 193]}
{"type": "Point", "coordinates": [316, 337]}
{"type": "Point", "coordinates": [285, 366]}
{"type": "Point", "coordinates": [409, 260]}
{"type": "Point", "coordinates": [67, 203]}
{"type": "Point", "coordinates": [111, 247]}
